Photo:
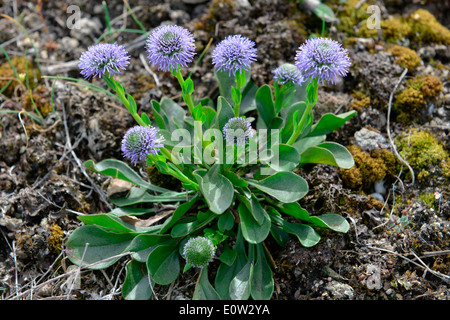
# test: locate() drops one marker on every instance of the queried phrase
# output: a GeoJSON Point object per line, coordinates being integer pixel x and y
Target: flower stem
{"type": "Point", "coordinates": [311, 101]}
{"type": "Point", "coordinates": [186, 97]}
{"type": "Point", "coordinates": [113, 84]}
{"type": "Point", "coordinates": [240, 81]}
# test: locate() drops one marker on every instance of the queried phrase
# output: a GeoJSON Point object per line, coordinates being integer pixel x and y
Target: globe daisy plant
{"type": "Point", "coordinates": [185, 210]}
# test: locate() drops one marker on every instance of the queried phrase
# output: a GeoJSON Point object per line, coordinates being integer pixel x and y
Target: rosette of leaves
{"type": "Point", "coordinates": [233, 205]}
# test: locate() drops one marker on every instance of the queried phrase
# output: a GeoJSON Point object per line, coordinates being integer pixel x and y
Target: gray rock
{"type": "Point", "coordinates": [194, 1]}
{"type": "Point", "coordinates": [340, 290]}
{"type": "Point", "coordinates": [86, 28]}
{"type": "Point", "coordinates": [370, 140]}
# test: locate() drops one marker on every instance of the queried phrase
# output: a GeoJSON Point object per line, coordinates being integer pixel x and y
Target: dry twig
{"type": "Point", "coordinates": [394, 148]}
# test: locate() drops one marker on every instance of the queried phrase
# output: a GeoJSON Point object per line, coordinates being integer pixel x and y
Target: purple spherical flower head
{"type": "Point", "coordinates": [324, 59]}
{"type": "Point", "coordinates": [170, 46]}
{"type": "Point", "coordinates": [238, 128]}
{"type": "Point", "coordinates": [233, 54]}
{"type": "Point", "coordinates": [140, 141]}
{"type": "Point", "coordinates": [288, 73]}
{"type": "Point", "coordinates": [103, 59]}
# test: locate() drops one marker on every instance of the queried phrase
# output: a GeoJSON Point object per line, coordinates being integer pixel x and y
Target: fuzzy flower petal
{"type": "Point", "coordinates": [199, 252]}
{"type": "Point", "coordinates": [288, 73]}
{"type": "Point", "coordinates": [237, 128]}
{"type": "Point", "coordinates": [233, 54]}
{"type": "Point", "coordinates": [324, 59]}
{"type": "Point", "coordinates": [103, 59]}
{"type": "Point", "coordinates": [140, 141]}
{"type": "Point", "coordinates": [170, 46]}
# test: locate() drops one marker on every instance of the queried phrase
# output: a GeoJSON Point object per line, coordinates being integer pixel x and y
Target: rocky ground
{"type": "Point", "coordinates": [399, 241]}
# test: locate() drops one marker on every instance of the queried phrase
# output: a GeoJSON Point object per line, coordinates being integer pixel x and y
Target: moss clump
{"type": "Point", "coordinates": [428, 85]}
{"type": "Point", "coordinates": [428, 199]}
{"type": "Point", "coordinates": [351, 17]}
{"type": "Point", "coordinates": [365, 32]}
{"type": "Point", "coordinates": [395, 29]}
{"type": "Point", "coordinates": [422, 150]}
{"type": "Point", "coordinates": [425, 28]}
{"type": "Point", "coordinates": [360, 101]}
{"type": "Point", "coordinates": [55, 239]}
{"type": "Point", "coordinates": [28, 75]}
{"type": "Point", "coordinates": [408, 104]}
{"type": "Point", "coordinates": [369, 168]}
{"type": "Point", "coordinates": [418, 92]}
{"type": "Point", "coordinates": [41, 98]}
{"type": "Point", "coordinates": [406, 57]}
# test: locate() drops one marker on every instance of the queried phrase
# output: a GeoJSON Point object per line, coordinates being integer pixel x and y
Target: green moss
{"type": "Point", "coordinates": [350, 16]}
{"type": "Point", "coordinates": [395, 29]}
{"type": "Point", "coordinates": [428, 85]}
{"type": "Point", "coordinates": [418, 91]}
{"type": "Point", "coordinates": [425, 28]}
{"type": "Point", "coordinates": [407, 58]}
{"type": "Point", "coordinates": [421, 149]}
{"type": "Point", "coordinates": [29, 76]}
{"type": "Point", "coordinates": [369, 168]}
{"type": "Point", "coordinates": [360, 101]}
{"type": "Point", "coordinates": [55, 238]}
{"type": "Point", "coordinates": [428, 199]}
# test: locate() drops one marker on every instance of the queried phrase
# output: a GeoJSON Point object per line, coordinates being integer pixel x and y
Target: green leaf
{"type": "Point", "coordinates": [120, 170]}
{"type": "Point", "coordinates": [226, 83]}
{"type": "Point", "coordinates": [209, 114]}
{"type": "Point", "coordinates": [248, 98]}
{"type": "Point", "coordinates": [294, 209]}
{"type": "Point", "coordinates": [173, 114]}
{"type": "Point", "coordinates": [91, 244]}
{"type": "Point", "coordinates": [290, 118]}
{"type": "Point", "coordinates": [236, 95]}
{"type": "Point", "coordinates": [203, 289]}
{"type": "Point", "coordinates": [164, 264]}
{"type": "Point", "coordinates": [228, 255]}
{"type": "Point", "coordinates": [137, 284]}
{"type": "Point", "coordinates": [304, 143]}
{"type": "Point", "coordinates": [130, 211]}
{"type": "Point", "coordinates": [188, 87]}
{"type": "Point", "coordinates": [132, 102]}
{"type": "Point", "coordinates": [307, 236]}
{"type": "Point", "coordinates": [225, 221]}
{"type": "Point", "coordinates": [156, 108]}
{"type": "Point", "coordinates": [235, 179]}
{"type": "Point", "coordinates": [183, 229]}
{"type": "Point", "coordinates": [324, 12]}
{"type": "Point", "coordinates": [284, 186]}
{"type": "Point", "coordinates": [312, 93]}
{"type": "Point", "coordinates": [143, 244]}
{"type": "Point", "coordinates": [226, 273]}
{"type": "Point", "coordinates": [240, 284]}
{"type": "Point", "coordinates": [261, 284]}
{"type": "Point", "coordinates": [265, 104]}
{"type": "Point", "coordinates": [178, 213]}
{"type": "Point", "coordinates": [253, 231]}
{"type": "Point", "coordinates": [331, 220]}
{"type": "Point", "coordinates": [112, 223]}
{"type": "Point", "coordinates": [287, 158]}
{"type": "Point", "coordinates": [146, 119]}
{"type": "Point", "coordinates": [139, 195]}
{"type": "Point", "coordinates": [330, 153]}
{"type": "Point", "coordinates": [217, 190]}
{"type": "Point", "coordinates": [197, 113]}
{"type": "Point", "coordinates": [224, 113]}
{"type": "Point", "coordinates": [330, 122]}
